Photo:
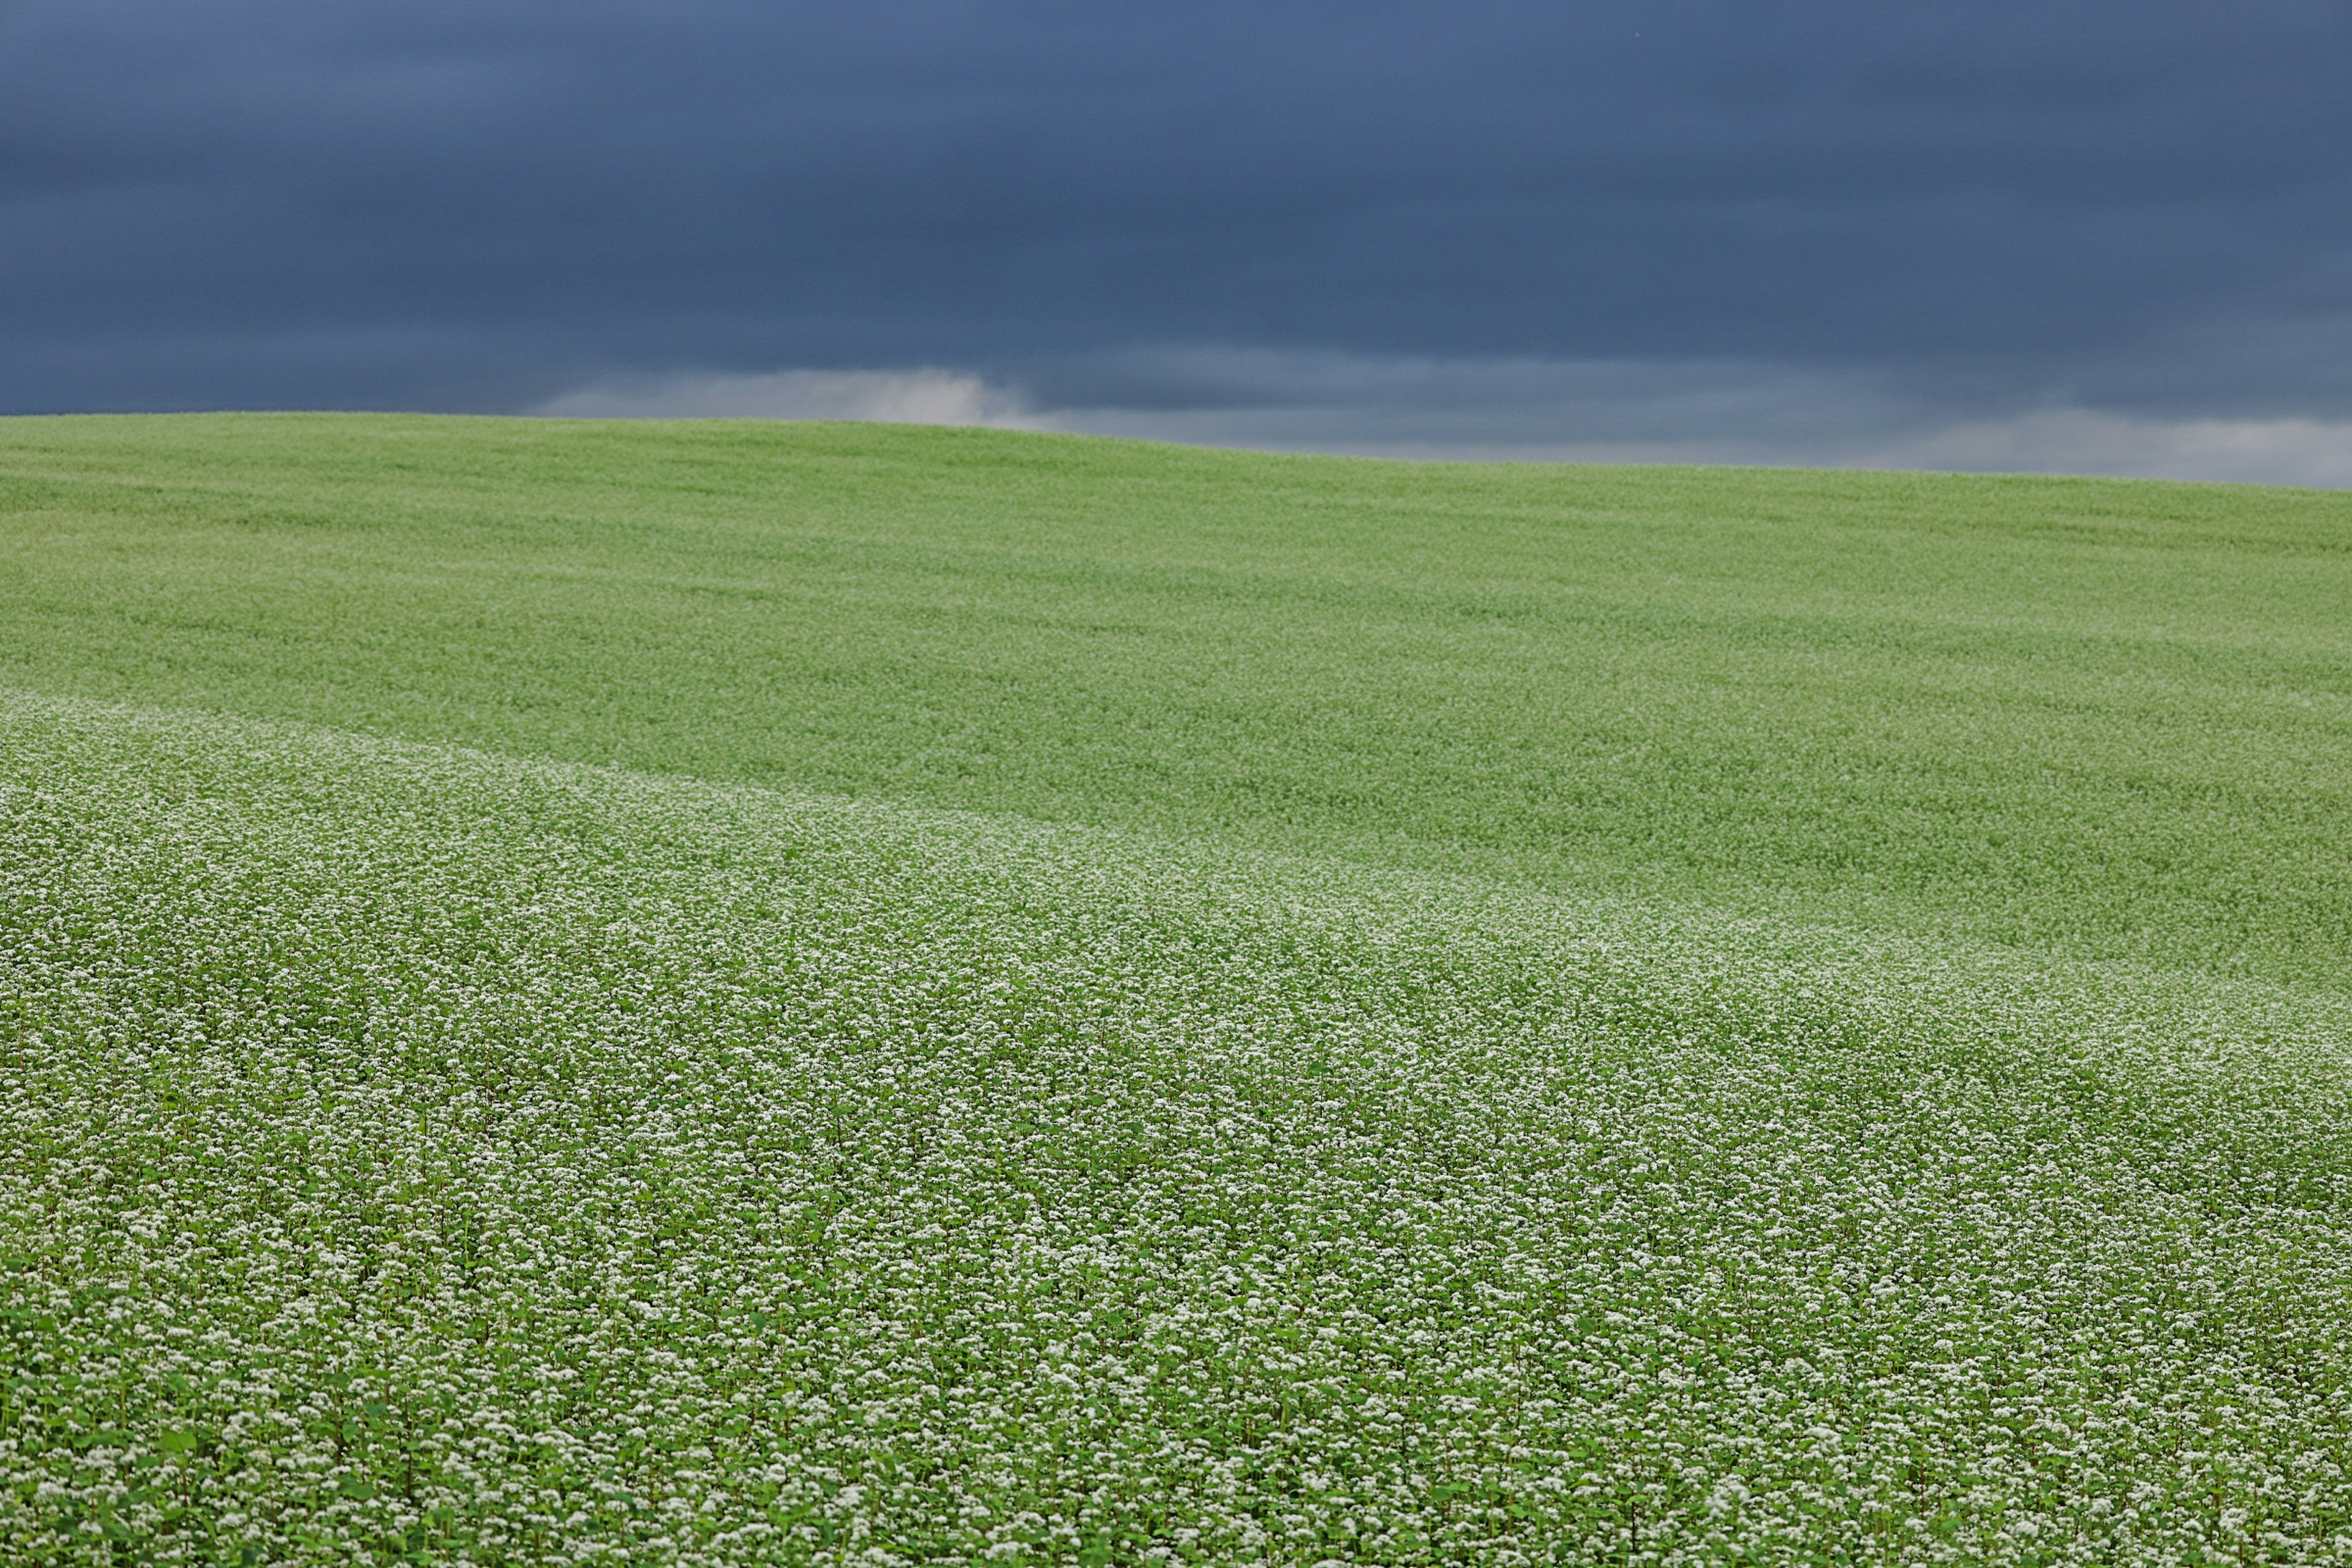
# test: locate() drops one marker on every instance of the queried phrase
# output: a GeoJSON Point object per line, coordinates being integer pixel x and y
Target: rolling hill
{"type": "Point", "coordinates": [736, 992]}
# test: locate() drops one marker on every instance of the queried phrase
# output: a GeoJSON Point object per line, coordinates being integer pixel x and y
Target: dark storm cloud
{"type": "Point", "coordinates": [2145, 208]}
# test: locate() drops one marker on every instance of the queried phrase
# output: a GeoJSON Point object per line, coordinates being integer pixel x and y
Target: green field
{"type": "Point", "coordinates": [713, 993]}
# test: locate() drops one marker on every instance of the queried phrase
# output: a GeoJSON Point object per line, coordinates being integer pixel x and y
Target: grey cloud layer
{"type": "Point", "coordinates": [1517, 410]}
{"type": "Point", "coordinates": [1986, 210]}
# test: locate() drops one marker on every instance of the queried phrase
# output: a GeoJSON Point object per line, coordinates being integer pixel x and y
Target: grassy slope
{"type": "Point", "coordinates": [2099, 718]}
{"type": "Point", "coordinates": [415, 1151]}
{"type": "Point", "coordinates": [422, 1154]}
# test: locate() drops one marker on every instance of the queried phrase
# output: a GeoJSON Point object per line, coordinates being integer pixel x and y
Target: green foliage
{"type": "Point", "coordinates": [1378, 1123]}
{"type": "Point", "coordinates": [2111, 720]}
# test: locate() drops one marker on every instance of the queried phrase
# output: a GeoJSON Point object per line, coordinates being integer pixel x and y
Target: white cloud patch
{"type": "Point", "coordinates": [896, 397]}
{"type": "Point", "coordinates": [2315, 452]}
{"type": "Point", "coordinates": [1526, 410]}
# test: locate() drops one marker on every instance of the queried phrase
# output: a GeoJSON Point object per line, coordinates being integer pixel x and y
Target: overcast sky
{"type": "Point", "coordinates": [2097, 237]}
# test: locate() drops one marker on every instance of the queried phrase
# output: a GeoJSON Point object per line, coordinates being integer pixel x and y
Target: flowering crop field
{"type": "Point", "coordinates": [453, 1109]}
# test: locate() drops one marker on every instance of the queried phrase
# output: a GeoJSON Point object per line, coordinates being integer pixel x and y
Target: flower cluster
{"type": "Point", "coordinates": [411, 1154]}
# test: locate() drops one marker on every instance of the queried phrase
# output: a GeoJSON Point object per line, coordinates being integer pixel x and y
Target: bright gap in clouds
{"type": "Point", "coordinates": [895, 397]}
{"type": "Point", "coordinates": [1506, 410]}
